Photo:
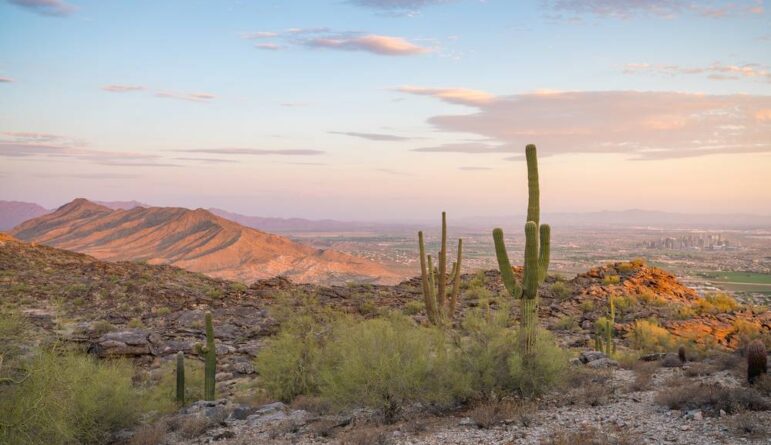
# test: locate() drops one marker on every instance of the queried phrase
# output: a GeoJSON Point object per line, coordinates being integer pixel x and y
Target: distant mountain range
{"type": "Point", "coordinates": [195, 240]}
{"type": "Point", "coordinates": [13, 213]}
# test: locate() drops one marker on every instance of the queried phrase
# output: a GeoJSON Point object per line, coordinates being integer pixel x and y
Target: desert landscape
{"type": "Point", "coordinates": [285, 223]}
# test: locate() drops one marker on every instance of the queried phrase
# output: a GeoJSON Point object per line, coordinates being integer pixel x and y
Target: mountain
{"type": "Point", "coordinates": [121, 205]}
{"type": "Point", "coordinates": [294, 225]}
{"type": "Point", "coordinates": [195, 240]}
{"type": "Point", "coordinates": [12, 213]}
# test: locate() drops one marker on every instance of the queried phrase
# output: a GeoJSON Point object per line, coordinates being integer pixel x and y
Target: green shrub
{"type": "Point", "coordinates": [715, 304]}
{"type": "Point", "coordinates": [648, 336]}
{"type": "Point", "coordinates": [566, 323]}
{"type": "Point", "coordinates": [413, 307]}
{"type": "Point", "coordinates": [388, 363]}
{"type": "Point", "coordinates": [561, 290]}
{"type": "Point", "coordinates": [289, 364]}
{"type": "Point", "coordinates": [67, 399]}
{"type": "Point", "coordinates": [543, 371]}
{"type": "Point", "coordinates": [160, 392]}
{"type": "Point", "coordinates": [611, 279]}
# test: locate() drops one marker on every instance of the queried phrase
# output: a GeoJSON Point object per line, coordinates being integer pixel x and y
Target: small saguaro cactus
{"type": "Point", "coordinates": [757, 361]}
{"type": "Point", "coordinates": [180, 377]}
{"type": "Point", "coordinates": [210, 368]}
{"type": "Point", "coordinates": [681, 354]}
{"type": "Point", "coordinates": [536, 257]}
{"type": "Point", "coordinates": [439, 307]}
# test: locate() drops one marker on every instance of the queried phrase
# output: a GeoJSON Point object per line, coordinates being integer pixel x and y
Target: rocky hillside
{"type": "Point", "coordinates": [195, 240]}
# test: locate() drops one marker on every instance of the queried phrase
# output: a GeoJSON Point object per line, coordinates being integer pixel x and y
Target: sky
{"type": "Point", "coordinates": [387, 109]}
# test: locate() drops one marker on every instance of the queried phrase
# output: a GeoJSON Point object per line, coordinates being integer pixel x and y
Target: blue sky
{"type": "Point", "coordinates": [370, 109]}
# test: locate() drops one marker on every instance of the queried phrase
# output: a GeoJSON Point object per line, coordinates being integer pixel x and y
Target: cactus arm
{"type": "Point", "coordinates": [507, 274]}
{"type": "Point", "coordinates": [530, 281]}
{"type": "Point", "coordinates": [533, 198]}
{"type": "Point", "coordinates": [441, 294]}
{"type": "Point", "coordinates": [425, 277]}
{"type": "Point", "coordinates": [456, 279]}
{"type": "Point", "coordinates": [211, 360]}
{"type": "Point", "coordinates": [180, 377]}
{"type": "Point", "coordinates": [451, 275]}
{"type": "Point", "coordinates": [543, 252]}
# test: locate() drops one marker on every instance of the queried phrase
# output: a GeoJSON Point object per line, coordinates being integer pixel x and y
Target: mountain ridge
{"type": "Point", "coordinates": [195, 240]}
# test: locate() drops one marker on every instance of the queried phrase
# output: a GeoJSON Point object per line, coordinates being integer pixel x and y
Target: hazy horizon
{"type": "Point", "coordinates": [375, 110]}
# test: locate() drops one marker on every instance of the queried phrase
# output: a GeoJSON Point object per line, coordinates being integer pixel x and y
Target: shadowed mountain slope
{"type": "Point", "coordinates": [13, 213]}
{"type": "Point", "coordinates": [195, 240]}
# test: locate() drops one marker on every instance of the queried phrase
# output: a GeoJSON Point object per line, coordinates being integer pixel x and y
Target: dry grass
{"type": "Point", "coordinates": [312, 404]}
{"type": "Point", "coordinates": [149, 435]}
{"type": "Point", "coordinates": [750, 425]}
{"type": "Point", "coordinates": [643, 376]}
{"type": "Point", "coordinates": [367, 435]}
{"type": "Point", "coordinates": [590, 436]}
{"type": "Point", "coordinates": [712, 398]}
{"type": "Point", "coordinates": [490, 414]}
{"type": "Point", "coordinates": [699, 369]}
{"type": "Point", "coordinates": [193, 426]}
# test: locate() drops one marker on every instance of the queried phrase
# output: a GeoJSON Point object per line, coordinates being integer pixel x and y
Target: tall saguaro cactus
{"type": "Point", "coordinates": [439, 307]}
{"type": "Point", "coordinates": [210, 368]}
{"type": "Point", "coordinates": [536, 258]}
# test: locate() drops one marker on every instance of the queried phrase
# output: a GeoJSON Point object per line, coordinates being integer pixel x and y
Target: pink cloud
{"type": "Point", "coordinates": [715, 71]}
{"type": "Point", "coordinates": [117, 88]}
{"type": "Point", "coordinates": [268, 46]}
{"type": "Point", "coordinates": [46, 7]}
{"type": "Point", "coordinates": [5, 79]}
{"type": "Point", "coordinates": [645, 125]}
{"type": "Point", "coordinates": [462, 96]}
{"type": "Point", "coordinates": [377, 44]}
{"type": "Point", "coordinates": [193, 97]}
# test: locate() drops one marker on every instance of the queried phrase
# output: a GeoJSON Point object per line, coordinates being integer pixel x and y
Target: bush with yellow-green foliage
{"type": "Point", "coordinates": [289, 364]}
{"type": "Point", "coordinates": [649, 336]}
{"type": "Point", "coordinates": [388, 363]}
{"type": "Point", "coordinates": [611, 279]}
{"type": "Point", "coordinates": [56, 396]}
{"type": "Point", "coordinates": [68, 399]}
{"type": "Point", "coordinates": [543, 370]}
{"type": "Point", "coordinates": [561, 290]}
{"type": "Point", "coordinates": [715, 303]}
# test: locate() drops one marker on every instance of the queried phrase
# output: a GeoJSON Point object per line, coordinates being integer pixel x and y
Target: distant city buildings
{"type": "Point", "coordinates": [697, 241]}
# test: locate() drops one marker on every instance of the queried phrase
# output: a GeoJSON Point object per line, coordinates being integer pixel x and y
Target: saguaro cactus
{"type": "Point", "coordinates": [536, 257]}
{"type": "Point", "coordinates": [439, 307]}
{"type": "Point", "coordinates": [210, 368]}
{"type": "Point", "coordinates": [180, 377]}
{"type": "Point", "coordinates": [757, 361]}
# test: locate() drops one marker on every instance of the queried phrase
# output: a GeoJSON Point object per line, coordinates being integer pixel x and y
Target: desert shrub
{"type": "Point", "coordinates": [102, 327]}
{"type": "Point", "coordinates": [413, 307]}
{"type": "Point", "coordinates": [544, 370]}
{"type": "Point", "coordinates": [238, 287]}
{"type": "Point", "coordinates": [135, 323]}
{"type": "Point", "coordinates": [13, 328]}
{"type": "Point", "coordinates": [589, 435]}
{"type": "Point", "coordinates": [643, 376]}
{"type": "Point", "coordinates": [745, 331]}
{"type": "Point", "coordinates": [587, 306]}
{"type": "Point", "coordinates": [161, 391]}
{"type": "Point", "coordinates": [751, 425]}
{"type": "Point", "coordinates": [491, 413]}
{"type": "Point", "coordinates": [388, 363]}
{"type": "Point", "coordinates": [561, 290]}
{"type": "Point", "coordinates": [611, 279]}
{"type": "Point", "coordinates": [715, 303]}
{"type": "Point", "coordinates": [625, 267]}
{"type": "Point", "coordinates": [153, 434]}
{"type": "Point", "coordinates": [289, 364]}
{"type": "Point", "coordinates": [68, 398]}
{"type": "Point", "coordinates": [485, 346]}
{"type": "Point", "coordinates": [625, 303]}
{"type": "Point", "coordinates": [566, 323]}
{"type": "Point", "coordinates": [712, 397]}
{"type": "Point", "coordinates": [648, 336]}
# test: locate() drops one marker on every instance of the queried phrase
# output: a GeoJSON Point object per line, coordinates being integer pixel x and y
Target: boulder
{"type": "Point", "coordinates": [128, 343]}
{"type": "Point", "coordinates": [590, 356]}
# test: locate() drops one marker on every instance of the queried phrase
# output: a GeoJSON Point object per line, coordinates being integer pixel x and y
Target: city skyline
{"type": "Point", "coordinates": [371, 109]}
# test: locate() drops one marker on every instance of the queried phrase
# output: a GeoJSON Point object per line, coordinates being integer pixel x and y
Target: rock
{"type": "Point", "coordinates": [131, 343]}
{"type": "Point", "coordinates": [226, 434]}
{"type": "Point", "coordinates": [270, 408]}
{"type": "Point", "coordinates": [243, 368]}
{"type": "Point", "coordinates": [242, 412]}
{"type": "Point", "coordinates": [603, 363]}
{"type": "Point", "coordinates": [590, 356]}
{"type": "Point", "coordinates": [722, 413]}
{"type": "Point", "coordinates": [671, 360]}
{"type": "Point", "coordinates": [653, 357]}
{"type": "Point", "coordinates": [222, 376]}
{"type": "Point", "coordinates": [467, 421]}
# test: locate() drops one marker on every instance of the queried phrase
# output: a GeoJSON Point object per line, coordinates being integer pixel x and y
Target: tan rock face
{"type": "Point", "coordinates": [195, 240]}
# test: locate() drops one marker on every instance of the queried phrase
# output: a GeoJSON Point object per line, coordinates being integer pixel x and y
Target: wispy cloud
{"type": "Point", "coordinates": [255, 151]}
{"type": "Point", "coordinates": [625, 9]}
{"type": "Point", "coordinates": [192, 97]}
{"type": "Point", "coordinates": [644, 125]}
{"type": "Point", "coordinates": [268, 46]}
{"type": "Point", "coordinates": [373, 136]}
{"type": "Point", "coordinates": [462, 96]}
{"type": "Point", "coordinates": [344, 41]}
{"type": "Point", "coordinates": [4, 79]}
{"type": "Point", "coordinates": [98, 176]}
{"type": "Point", "coordinates": [51, 146]}
{"type": "Point", "coordinates": [716, 71]}
{"type": "Point", "coordinates": [118, 88]}
{"type": "Point", "coordinates": [208, 160]}
{"type": "Point", "coordinates": [373, 43]}
{"type": "Point", "coordinates": [46, 7]}
{"type": "Point", "coordinates": [398, 8]}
